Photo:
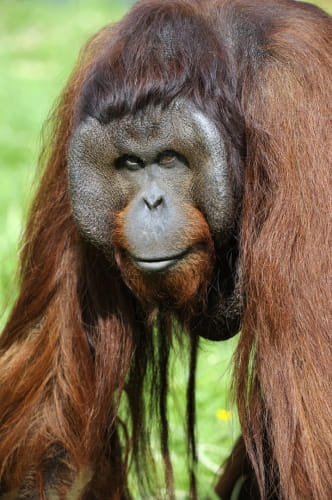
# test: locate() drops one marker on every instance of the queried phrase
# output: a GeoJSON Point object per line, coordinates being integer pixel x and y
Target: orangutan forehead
{"type": "Point", "coordinates": [180, 125]}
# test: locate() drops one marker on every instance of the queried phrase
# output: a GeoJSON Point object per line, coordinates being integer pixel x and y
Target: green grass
{"type": "Point", "coordinates": [40, 41]}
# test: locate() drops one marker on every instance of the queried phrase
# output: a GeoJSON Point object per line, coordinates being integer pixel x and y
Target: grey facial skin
{"type": "Point", "coordinates": [157, 160]}
{"type": "Point", "coordinates": [151, 167]}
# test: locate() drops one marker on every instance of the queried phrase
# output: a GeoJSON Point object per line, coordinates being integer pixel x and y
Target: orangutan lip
{"type": "Point", "coordinates": [157, 265]}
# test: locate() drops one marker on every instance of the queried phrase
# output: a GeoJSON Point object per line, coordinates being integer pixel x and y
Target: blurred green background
{"type": "Point", "coordinates": [39, 43]}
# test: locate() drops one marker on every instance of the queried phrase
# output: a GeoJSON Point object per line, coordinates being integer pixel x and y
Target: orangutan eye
{"type": "Point", "coordinates": [129, 162]}
{"type": "Point", "coordinates": [167, 157]}
{"type": "Point", "coordinates": [170, 158]}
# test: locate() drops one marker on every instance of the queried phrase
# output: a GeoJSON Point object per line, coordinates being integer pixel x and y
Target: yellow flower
{"type": "Point", "coordinates": [224, 415]}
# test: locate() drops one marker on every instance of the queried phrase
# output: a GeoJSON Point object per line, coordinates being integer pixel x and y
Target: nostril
{"type": "Point", "coordinates": [153, 202]}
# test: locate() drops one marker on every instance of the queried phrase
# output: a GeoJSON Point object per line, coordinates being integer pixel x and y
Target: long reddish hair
{"type": "Point", "coordinates": [77, 342]}
{"type": "Point", "coordinates": [283, 361]}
